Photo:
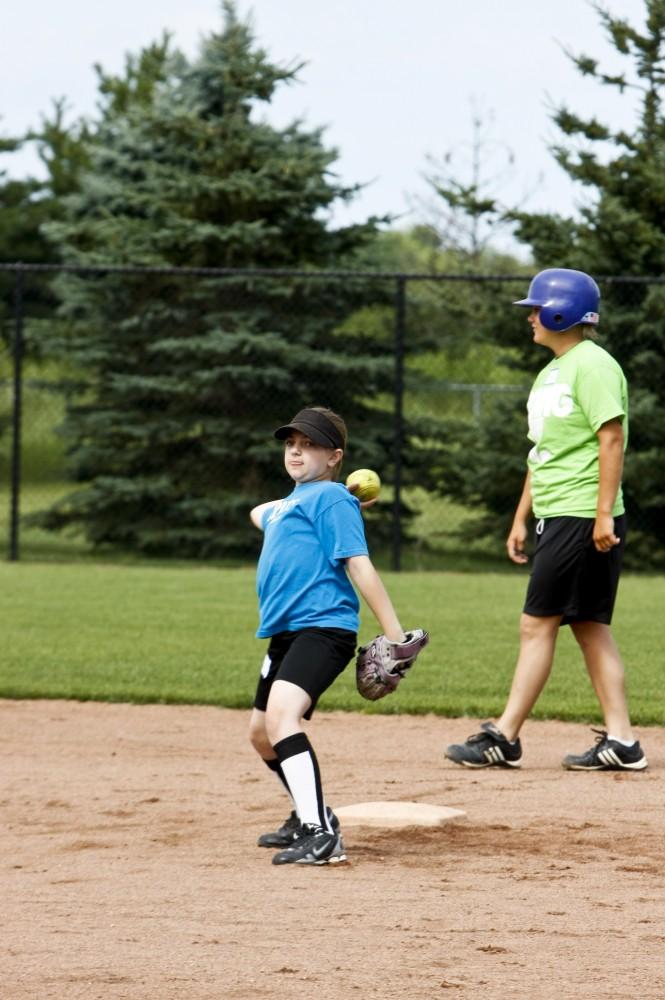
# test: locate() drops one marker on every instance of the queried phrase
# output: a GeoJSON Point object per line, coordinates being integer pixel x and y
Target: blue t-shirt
{"type": "Point", "coordinates": [301, 577]}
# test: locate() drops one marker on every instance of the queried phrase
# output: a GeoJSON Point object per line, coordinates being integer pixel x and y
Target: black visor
{"type": "Point", "coordinates": [316, 426]}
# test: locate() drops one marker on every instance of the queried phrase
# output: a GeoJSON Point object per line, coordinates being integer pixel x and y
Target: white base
{"type": "Point", "coordinates": [397, 814]}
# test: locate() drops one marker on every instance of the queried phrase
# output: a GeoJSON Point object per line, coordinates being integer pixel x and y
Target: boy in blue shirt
{"type": "Point", "coordinates": [314, 550]}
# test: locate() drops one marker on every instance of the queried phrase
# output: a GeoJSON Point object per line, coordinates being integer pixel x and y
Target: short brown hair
{"type": "Point", "coordinates": [335, 419]}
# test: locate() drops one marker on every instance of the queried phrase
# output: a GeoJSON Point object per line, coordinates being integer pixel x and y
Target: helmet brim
{"type": "Point", "coordinates": [527, 302]}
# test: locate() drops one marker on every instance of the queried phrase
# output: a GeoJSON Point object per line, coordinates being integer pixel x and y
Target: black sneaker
{"type": "Point", "coordinates": [489, 748]}
{"type": "Point", "coordinates": [607, 755]}
{"type": "Point", "coordinates": [315, 846]}
{"type": "Point", "coordinates": [291, 829]}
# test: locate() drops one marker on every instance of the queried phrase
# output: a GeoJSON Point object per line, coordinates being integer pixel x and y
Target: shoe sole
{"type": "Point", "coordinates": [337, 855]}
{"type": "Point", "coordinates": [489, 763]}
{"type": "Point", "coordinates": [326, 861]}
{"type": "Point", "coordinates": [639, 765]}
{"type": "Point", "coordinates": [335, 859]}
{"type": "Point", "coordinates": [477, 767]}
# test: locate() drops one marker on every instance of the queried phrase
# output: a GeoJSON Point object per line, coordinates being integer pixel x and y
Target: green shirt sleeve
{"type": "Point", "coordinates": [600, 394]}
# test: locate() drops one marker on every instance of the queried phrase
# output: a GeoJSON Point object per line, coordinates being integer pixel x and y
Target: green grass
{"type": "Point", "coordinates": [185, 634]}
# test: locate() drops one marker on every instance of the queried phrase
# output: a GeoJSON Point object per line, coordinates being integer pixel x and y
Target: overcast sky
{"type": "Point", "coordinates": [391, 82]}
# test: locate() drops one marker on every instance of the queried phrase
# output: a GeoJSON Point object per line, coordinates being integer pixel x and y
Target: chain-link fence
{"type": "Point", "coordinates": [431, 371]}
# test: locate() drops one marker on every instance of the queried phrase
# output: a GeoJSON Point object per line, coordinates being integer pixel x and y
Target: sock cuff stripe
{"type": "Point", "coordinates": [292, 745]}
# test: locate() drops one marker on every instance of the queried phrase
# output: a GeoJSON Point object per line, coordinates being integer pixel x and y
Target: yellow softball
{"type": "Point", "coordinates": [367, 483]}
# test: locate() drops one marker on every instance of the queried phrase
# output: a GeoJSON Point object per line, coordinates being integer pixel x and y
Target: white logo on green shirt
{"type": "Point", "coordinates": [548, 401]}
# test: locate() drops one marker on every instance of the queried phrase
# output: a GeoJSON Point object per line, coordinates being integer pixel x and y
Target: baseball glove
{"type": "Point", "coordinates": [381, 664]}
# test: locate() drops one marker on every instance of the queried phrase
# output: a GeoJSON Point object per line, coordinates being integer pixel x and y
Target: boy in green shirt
{"type": "Point", "coordinates": [578, 423]}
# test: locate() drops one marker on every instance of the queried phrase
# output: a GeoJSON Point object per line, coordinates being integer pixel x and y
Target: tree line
{"type": "Point", "coordinates": [178, 382]}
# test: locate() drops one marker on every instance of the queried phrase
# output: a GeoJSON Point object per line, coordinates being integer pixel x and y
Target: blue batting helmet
{"type": "Point", "coordinates": [565, 298]}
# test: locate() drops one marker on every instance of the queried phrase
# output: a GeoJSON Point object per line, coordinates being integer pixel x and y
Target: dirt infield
{"type": "Point", "coordinates": [130, 871]}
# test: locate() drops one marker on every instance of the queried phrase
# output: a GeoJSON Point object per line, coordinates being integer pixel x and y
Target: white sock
{"type": "Point", "coordinates": [299, 771]}
{"type": "Point", "coordinates": [624, 743]}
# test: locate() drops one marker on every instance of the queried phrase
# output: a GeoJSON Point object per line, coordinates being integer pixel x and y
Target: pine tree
{"type": "Point", "coordinates": [26, 206]}
{"type": "Point", "coordinates": [621, 232]}
{"type": "Point", "coordinates": [187, 377]}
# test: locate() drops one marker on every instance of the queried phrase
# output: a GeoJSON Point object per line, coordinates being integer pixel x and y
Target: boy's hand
{"type": "Point", "coordinates": [604, 538]}
{"type": "Point", "coordinates": [363, 503]}
{"type": "Point", "coordinates": [515, 544]}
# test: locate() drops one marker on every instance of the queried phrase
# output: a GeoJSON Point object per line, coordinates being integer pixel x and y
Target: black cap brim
{"type": "Point", "coordinates": [314, 425]}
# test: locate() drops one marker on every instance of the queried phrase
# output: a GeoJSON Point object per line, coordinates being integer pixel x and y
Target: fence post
{"type": "Point", "coordinates": [17, 413]}
{"type": "Point", "coordinates": [400, 317]}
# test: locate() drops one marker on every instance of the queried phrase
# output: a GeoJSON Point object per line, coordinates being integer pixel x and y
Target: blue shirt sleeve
{"type": "Point", "coordinates": [341, 530]}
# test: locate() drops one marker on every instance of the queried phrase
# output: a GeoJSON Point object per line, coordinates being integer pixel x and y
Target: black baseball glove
{"type": "Point", "coordinates": [381, 664]}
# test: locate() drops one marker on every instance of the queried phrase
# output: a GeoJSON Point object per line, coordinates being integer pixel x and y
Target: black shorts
{"type": "Point", "coordinates": [569, 576]}
{"type": "Point", "coordinates": [311, 658]}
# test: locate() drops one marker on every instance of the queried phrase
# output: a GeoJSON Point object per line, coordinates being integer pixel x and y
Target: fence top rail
{"type": "Point", "coordinates": [267, 272]}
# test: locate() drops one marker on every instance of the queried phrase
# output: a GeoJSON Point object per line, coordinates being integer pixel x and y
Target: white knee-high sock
{"type": "Point", "coordinates": [301, 770]}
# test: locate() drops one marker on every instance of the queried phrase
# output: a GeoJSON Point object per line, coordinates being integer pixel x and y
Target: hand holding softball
{"type": "Point", "coordinates": [365, 485]}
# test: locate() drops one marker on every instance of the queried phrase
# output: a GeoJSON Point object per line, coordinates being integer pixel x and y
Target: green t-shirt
{"type": "Point", "coordinates": [571, 398]}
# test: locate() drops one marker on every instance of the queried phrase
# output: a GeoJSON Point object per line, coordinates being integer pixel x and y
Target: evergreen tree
{"type": "Point", "coordinates": [620, 231]}
{"type": "Point", "coordinates": [22, 211]}
{"type": "Point", "coordinates": [26, 205]}
{"type": "Point", "coordinates": [187, 376]}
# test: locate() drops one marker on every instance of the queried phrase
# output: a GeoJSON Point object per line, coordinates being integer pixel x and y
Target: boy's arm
{"type": "Point", "coordinates": [256, 513]}
{"type": "Point", "coordinates": [369, 583]}
{"type": "Point", "coordinates": [518, 531]}
{"type": "Point", "coordinates": [610, 468]}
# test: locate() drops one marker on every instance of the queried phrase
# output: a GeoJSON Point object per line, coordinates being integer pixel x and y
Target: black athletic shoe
{"type": "Point", "coordinates": [291, 829]}
{"type": "Point", "coordinates": [489, 748]}
{"type": "Point", "coordinates": [607, 755]}
{"type": "Point", "coordinates": [314, 847]}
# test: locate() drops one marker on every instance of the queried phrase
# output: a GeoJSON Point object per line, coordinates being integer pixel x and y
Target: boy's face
{"type": "Point", "coordinates": [558, 343]}
{"type": "Point", "coordinates": [536, 325]}
{"type": "Point", "coordinates": [541, 335]}
{"type": "Point", "coordinates": [307, 462]}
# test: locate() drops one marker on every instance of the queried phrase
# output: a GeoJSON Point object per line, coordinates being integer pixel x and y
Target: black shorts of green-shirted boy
{"type": "Point", "coordinates": [569, 578]}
